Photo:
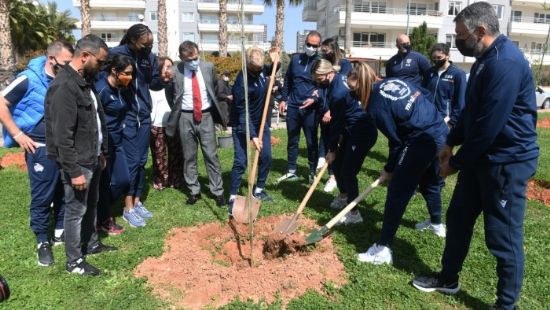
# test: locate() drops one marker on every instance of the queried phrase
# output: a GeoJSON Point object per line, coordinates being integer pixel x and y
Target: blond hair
{"type": "Point", "coordinates": [365, 77]}
{"type": "Point", "coordinates": [323, 66]}
{"type": "Point", "coordinates": [255, 57]}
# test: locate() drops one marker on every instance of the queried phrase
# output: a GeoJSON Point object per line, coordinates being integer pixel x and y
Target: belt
{"type": "Point", "coordinates": [191, 111]}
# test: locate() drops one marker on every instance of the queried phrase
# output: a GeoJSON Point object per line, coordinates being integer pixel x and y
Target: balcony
{"type": "Point", "coordinates": [213, 26]}
{"type": "Point", "coordinates": [535, 55]}
{"type": "Point", "coordinates": [232, 6]}
{"type": "Point", "coordinates": [109, 4]}
{"type": "Point", "coordinates": [232, 45]}
{"type": "Point", "coordinates": [310, 12]}
{"type": "Point", "coordinates": [375, 50]}
{"type": "Point", "coordinates": [390, 18]}
{"type": "Point", "coordinates": [529, 26]}
{"type": "Point", "coordinates": [111, 24]}
{"type": "Point", "coordinates": [529, 3]}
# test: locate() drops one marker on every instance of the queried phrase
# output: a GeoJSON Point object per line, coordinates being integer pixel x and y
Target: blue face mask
{"type": "Point", "coordinates": [192, 65]}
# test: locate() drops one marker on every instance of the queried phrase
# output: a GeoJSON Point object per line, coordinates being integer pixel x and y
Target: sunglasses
{"type": "Point", "coordinates": [312, 45]}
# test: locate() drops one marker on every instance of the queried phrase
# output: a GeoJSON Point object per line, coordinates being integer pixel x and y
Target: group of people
{"type": "Point", "coordinates": [90, 131]}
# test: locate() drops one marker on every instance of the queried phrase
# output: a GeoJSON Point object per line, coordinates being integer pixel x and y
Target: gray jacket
{"type": "Point", "coordinates": [174, 95]}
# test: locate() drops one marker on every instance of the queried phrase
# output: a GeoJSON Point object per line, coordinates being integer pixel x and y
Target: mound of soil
{"type": "Point", "coordinates": [14, 159]}
{"type": "Point", "coordinates": [543, 123]}
{"type": "Point", "coordinates": [210, 265]}
{"type": "Point", "coordinates": [539, 190]}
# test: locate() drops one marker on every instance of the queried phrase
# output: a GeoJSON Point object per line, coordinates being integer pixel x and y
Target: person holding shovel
{"type": "Point", "coordinates": [351, 135]}
{"type": "Point", "coordinates": [258, 84]}
{"type": "Point", "coordinates": [416, 132]}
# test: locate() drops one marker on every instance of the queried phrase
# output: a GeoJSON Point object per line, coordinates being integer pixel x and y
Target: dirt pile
{"type": "Point", "coordinates": [539, 190]}
{"type": "Point", "coordinates": [543, 123]}
{"type": "Point", "coordinates": [209, 265]}
{"type": "Point", "coordinates": [13, 159]}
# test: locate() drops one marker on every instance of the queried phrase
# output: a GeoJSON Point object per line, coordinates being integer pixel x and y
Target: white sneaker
{"type": "Point", "coordinates": [353, 217]}
{"type": "Point", "coordinates": [377, 255]}
{"type": "Point", "coordinates": [330, 186]}
{"type": "Point", "coordinates": [320, 163]}
{"type": "Point", "coordinates": [289, 176]}
{"type": "Point", "coordinates": [339, 203]}
{"type": "Point", "coordinates": [438, 229]}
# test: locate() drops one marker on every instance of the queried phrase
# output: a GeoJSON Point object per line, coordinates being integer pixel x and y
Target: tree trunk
{"type": "Point", "coordinates": [162, 28]}
{"type": "Point", "coordinates": [7, 60]}
{"type": "Point", "coordinates": [348, 38]}
{"type": "Point", "coordinates": [279, 24]}
{"type": "Point", "coordinates": [222, 35]}
{"type": "Point", "coordinates": [85, 15]}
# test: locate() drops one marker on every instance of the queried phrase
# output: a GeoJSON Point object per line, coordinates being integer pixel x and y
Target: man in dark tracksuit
{"type": "Point", "coordinates": [498, 155]}
{"type": "Point", "coordinates": [407, 65]}
{"type": "Point", "coordinates": [300, 98]}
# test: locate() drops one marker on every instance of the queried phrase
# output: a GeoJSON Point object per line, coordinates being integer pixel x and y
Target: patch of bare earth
{"type": "Point", "coordinates": [539, 190]}
{"type": "Point", "coordinates": [210, 265]}
{"type": "Point", "coordinates": [543, 123]}
{"type": "Point", "coordinates": [14, 159]}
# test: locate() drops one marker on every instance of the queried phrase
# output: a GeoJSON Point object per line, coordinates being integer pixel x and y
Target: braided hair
{"type": "Point", "coordinates": [134, 33]}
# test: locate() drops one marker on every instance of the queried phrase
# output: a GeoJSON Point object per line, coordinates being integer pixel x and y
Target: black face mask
{"type": "Point", "coordinates": [328, 56]}
{"type": "Point", "coordinates": [57, 66]}
{"type": "Point", "coordinates": [254, 74]}
{"type": "Point", "coordinates": [406, 47]}
{"type": "Point", "coordinates": [440, 63]}
{"type": "Point", "coordinates": [324, 84]}
{"type": "Point", "coordinates": [145, 51]}
{"type": "Point", "coordinates": [466, 46]}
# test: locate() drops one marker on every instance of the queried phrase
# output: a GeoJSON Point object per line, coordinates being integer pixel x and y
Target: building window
{"type": "Point", "coordinates": [450, 40]}
{"type": "Point", "coordinates": [134, 17]}
{"type": "Point", "coordinates": [188, 36]}
{"type": "Point", "coordinates": [541, 18]}
{"type": "Point", "coordinates": [516, 16]}
{"type": "Point", "coordinates": [188, 16]}
{"type": "Point", "coordinates": [106, 36]}
{"type": "Point", "coordinates": [154, 15]}
{"type": "Point", "coordinates": [454, 8]}
{"type": "Point", "coordinates": [499, 9]}
{"type": "Point", "coordinates": [370, 39]}
{"type": "Point", "coordinates": [417, 8]}
{"type": "Point", "coordinates": [368, 6]}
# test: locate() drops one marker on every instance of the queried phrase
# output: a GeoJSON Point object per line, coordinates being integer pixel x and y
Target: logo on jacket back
{"type": "Point", "coordinates": [394, 90]}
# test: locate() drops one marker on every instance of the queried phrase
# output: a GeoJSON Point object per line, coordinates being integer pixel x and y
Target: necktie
{"type": "Point", "coordinates": [197, 101]}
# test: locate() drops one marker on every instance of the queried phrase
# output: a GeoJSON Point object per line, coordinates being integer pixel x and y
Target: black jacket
{"type": "Point", "coordinates": [71, 123]}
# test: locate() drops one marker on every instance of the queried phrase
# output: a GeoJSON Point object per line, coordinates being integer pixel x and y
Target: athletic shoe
{"type": "Point", "coordinates": [330, 186]}
{"type": "Point", "coordinates": [81, 267]}
{"type": "Point", "coordinates": [263, 196]}
{"type": "Point", "coordinates": [45, 256]}
{"type": "Point", "coordinates": [132, 217]}
{"type": "Point", "coordinates": [58, 240]}
{"type": "Point", "coordinates": [311, 178]}
{"type": "Point", "coordinates": [435, 283]}
{"type": "Point", "coordinates": [111, 227]}
{"type": "Point", "coordinates": [144, 213]}
{"type": "Point", "coordinates": [230, 207]}
{"type": "Point", "coordinates": [353, 217]}
{"type": "Point", "coordinates": [100, 248]}
{"type": "Point", "coordinates": [377, 255]}
{"type": "Point", "coordinates": [339, 203]}
{"type": "Point", "coordinates": [320, 163]}
{"type": "Point", "coordinates": [438, 229]}
{"type": "Point", "coordinates": [289, 176]}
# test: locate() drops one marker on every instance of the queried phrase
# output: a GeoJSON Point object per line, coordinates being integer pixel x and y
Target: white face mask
{"type": "Point", "coordinates": [225, 78]}
{"type": "Point", "coordinates": [310, 51]}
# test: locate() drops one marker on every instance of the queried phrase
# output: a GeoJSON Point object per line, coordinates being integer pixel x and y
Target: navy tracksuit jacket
{"type": "Point", "coordinates": [411, 67]}
{"type": "Point", "coordinates": [415, 132]}
{"type": "Point", "coordinates": [448, 90]}
{"type": "Point", "coordinates": [498, 154]}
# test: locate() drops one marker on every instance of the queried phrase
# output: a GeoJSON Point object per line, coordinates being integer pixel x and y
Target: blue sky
{"type": "Point", "coordinates": [293, 20]}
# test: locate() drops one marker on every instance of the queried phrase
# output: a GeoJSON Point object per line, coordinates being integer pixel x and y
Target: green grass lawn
{"type": "Point", "coordinates": [369, 287]}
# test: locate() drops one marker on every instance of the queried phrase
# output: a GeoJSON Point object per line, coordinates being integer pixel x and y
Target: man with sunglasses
{"type": "Point", "coordinates": [22, 114]}
{"type": "Point", "coordinates": [407, 64]}
{"type": "Point", "coordinates": [300, 98]}
{"type": "Point", "coordinates": [76, 137]}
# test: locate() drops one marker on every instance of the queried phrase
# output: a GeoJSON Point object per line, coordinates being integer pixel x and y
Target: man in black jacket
{"type": "Point", "coordinates": [76, 137]}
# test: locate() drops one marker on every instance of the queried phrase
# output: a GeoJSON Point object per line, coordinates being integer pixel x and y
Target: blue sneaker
{"type": "Point", "coordinates": [263, 196]}
{"type": "Point", "coordinates": [132, 217]}
{"type": "Point", "coordinates": [144, 213]}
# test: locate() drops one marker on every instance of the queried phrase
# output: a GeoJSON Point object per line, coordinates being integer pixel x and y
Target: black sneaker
{"type": "Point", "coordinates": [435, 283]}
{"type": "Point", "coordinates": [100, 248]}
{"type": "Point", "coordinates": [45, 256]}
{"type": "Point", "coordinates": [58, 240]}
{"type": "Point", "coordinates": [81, 267]}
{"type": "Point", "coordinates": [263, 196]}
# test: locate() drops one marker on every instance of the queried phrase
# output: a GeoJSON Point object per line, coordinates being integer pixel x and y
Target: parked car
{"type": "Point", "coordinates": [543, 98]}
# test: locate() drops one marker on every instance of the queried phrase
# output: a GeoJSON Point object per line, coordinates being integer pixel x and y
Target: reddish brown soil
{"type": "Point", "coordinates": [209, 265]}
{"type": "Point", "coordinates": [275, 140]}
{"type": "Point", "coordinates": [539, 190]}
{"type": "Point", "coordinates": [544, 123]}
{"type": "Point", "coordinates": [14, 159]}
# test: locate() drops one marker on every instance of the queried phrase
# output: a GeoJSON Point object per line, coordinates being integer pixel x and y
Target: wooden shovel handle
{"type": "Point", "coordinates": [316, 181]}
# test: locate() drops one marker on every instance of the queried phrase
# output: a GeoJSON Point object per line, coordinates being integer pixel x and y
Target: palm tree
{"type": "Point", "coordinates": [222, 35]}
{"type": "Point", "coordinates": [347, 26]}
{"type": "Point", "coordinates": [60, 24]}
{"type": "Point", "coordinates": [7, 61]}
{"type": "Point", "coordinates": [280, 18]}
{"type": "Point", "coordinates": [85, 16]}
{"type": "Point", "coordinates": [162, 28]}
{"type": "Point", "coordinates": [29, 29]}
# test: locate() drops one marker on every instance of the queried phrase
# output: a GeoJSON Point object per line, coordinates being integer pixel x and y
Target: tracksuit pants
{"type": "Point", "coordinates": [46, 187]}
{"type": "Point", "coordinates": [239, 160]}
{"type": "Point", "coordinates": [114, 182]}
{"type": "Point", "coordinates": [417, 165]}
{"type": "Point", "coordinates": [305, 119]}
{"type": "Point", "coordinates": [497, 191]}
{"type": "Point", "coordinates": [136, 146]}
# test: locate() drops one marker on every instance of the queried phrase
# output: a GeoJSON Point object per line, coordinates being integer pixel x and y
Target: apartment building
{"type": "Point", "coordinates": [376, 23]}
{"type": "Point", "coordinates": [195, 20]}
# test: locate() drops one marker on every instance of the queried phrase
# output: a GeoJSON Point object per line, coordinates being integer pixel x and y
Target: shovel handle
{"type": "Point", "coordinates": [352, 204]}
{"type": "Point", "coordinates": [316, 181]}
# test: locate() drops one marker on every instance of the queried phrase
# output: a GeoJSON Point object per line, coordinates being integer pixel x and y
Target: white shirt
{"type": "Point", "coordinates": [161, 108]}
{"type": "Point", "coordinates": [187, 100]}
{"type": "Point", "coordinates": [99, 133]}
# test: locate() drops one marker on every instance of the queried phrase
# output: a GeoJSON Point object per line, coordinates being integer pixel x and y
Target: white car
{"type": "Point", "coordinates": [543, 98]}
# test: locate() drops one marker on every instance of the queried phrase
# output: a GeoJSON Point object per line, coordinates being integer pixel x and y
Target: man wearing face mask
{"type": "Point", "coordinates": [407, 64]}
{"type": "Point", "coordinates": [447, 84]}
{"type": "Point", "coordinates": [22, 115]}
{"type": "Point", "coordinates": [76, 137]}
{"type": "Point", "coordinates": [195, 109]}
{"type": "Point", "coordinates": [498, 154]}
{"type": "Point", "coordinates": [300, 98]}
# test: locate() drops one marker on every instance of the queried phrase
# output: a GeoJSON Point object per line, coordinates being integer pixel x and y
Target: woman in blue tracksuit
{"type": "Point", "coordinates": [352, 134]}
{"type": "Point", "coordinates": [258, 82]}
{"type": "Point", "coordinates": [447, 84]}
{"type": "Point", "coordinates": [416, 132]}
{"type": "Point", "coordinates": [331, 52]}
{"type": "Point", "coordinates": [114, 180]}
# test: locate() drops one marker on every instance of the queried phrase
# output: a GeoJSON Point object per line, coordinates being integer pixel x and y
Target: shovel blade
{"type": "Point", "coordinates": [240, 211]}
{"type": "Point", "coordinates": [287, 226]}
{"type": "Point", "coordinates": [316, 235]}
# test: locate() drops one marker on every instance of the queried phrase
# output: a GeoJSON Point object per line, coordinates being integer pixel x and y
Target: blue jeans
{"type": "Point", "coordinates": [136, 146]}
{"type": "Point", "coordinates": [305, 119]}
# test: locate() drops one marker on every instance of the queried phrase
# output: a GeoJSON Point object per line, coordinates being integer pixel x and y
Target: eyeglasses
{"type": "Point", "coordinates": [126, 73]}
{"type": "Point", "coordinates": [100, 62]}
{"type": "Point", "coordinates": [312, 45]}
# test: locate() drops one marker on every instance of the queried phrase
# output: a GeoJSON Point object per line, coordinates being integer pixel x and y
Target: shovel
{"type": "Point", "coordinates": [240, 211]}
{"type": "Point", "coordinates": [318, 234]}
{"type": "Point", "coordinates": [288, 226]}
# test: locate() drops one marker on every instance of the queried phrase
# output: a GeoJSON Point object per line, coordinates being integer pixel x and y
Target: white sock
{"type": "Point", "coordinates": [258, 190]}
{"type": "Point", "coordinates": [58, 233]}
{"type": "Point", "coordinates": [232, 197]}
{"type": "Point", "coordinates": [292, 171]}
